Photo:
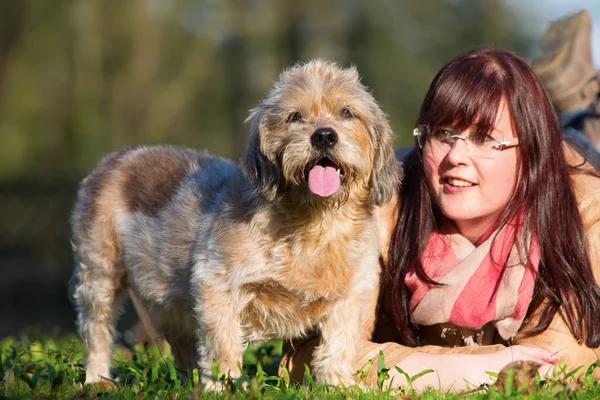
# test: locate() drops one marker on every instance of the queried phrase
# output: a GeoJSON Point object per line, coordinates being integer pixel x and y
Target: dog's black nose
{"type": "Point", "coordinates": [324, 138]}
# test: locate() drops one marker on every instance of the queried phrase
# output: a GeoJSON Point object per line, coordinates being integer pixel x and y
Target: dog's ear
{"type": "Point", "coordinates": [256, 166]}
{"type": "Point", "coordinates": [387, 170]}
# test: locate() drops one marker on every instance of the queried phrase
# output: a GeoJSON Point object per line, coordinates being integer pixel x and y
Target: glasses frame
{"type": "Point", "coordinates": [501, 144]}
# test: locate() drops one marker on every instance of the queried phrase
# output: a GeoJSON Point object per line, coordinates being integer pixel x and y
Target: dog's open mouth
{"type": "Point", "coordinates": [324, 177]}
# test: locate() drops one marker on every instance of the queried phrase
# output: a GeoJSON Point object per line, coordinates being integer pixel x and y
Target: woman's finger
{"type": "Point", "coordinates": [546, 370]}
{"type": "Point", "coordinates": [535, 354]}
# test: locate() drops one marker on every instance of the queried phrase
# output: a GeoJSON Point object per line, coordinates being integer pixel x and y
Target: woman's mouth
{"type": "Point", "coordinates": [456, 182]}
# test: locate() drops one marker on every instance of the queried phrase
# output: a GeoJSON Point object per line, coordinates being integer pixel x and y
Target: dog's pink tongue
{"type": "Point", "coordinates": [323, 181]}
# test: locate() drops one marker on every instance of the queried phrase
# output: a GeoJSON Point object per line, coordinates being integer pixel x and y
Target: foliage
{"type": "Point", "coordinates": [52, 368]}
{"type": "Point", "coordinates": [81, 79]}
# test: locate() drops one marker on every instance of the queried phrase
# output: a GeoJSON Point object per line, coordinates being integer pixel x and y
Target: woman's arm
{"type": "Point", "coordinates": [455, 368]}
{"type": "Point", "coordinates": [463, 370]}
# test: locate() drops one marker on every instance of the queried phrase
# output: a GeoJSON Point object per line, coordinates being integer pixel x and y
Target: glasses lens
{"type": "Point", "coordinates": [483, 146]}
{"type": "Point", "coordinates": [440, 141]}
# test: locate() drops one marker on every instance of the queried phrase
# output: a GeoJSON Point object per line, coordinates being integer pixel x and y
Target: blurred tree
{"type": "Point", "coordinates": [10, 33]}
{"type": "Point", "coordinates": [83, 78]}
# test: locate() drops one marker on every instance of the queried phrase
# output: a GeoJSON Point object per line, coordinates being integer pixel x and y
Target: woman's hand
{"type": "Point", "coordinates": [463, 371]}
{"type": "Point", "coordinates": [544, 357]}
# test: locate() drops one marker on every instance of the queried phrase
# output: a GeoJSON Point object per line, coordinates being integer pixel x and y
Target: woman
{"type": "Point", "coordinates": [493, 242]}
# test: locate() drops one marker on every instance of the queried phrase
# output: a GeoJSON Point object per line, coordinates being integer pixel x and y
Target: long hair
{"type": "Point", "coordinates": [467, 91]}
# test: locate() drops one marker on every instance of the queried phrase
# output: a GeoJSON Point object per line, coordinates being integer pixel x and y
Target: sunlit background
{"type": "Point", "coordinates": [79, 79]}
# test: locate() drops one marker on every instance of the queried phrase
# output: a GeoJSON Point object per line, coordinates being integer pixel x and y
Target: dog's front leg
{"type": "Point", "coordinates": [341, 334]}
{"type": "Point", "coordinates": [219, 333]}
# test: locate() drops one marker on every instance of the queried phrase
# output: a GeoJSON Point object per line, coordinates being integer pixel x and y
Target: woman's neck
{"type": "Point", "coordinates": [475, 229]}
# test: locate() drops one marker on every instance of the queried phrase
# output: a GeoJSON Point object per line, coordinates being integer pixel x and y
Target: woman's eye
{"type": "Point", "coordinates": [346, 113]}
{"type": "Point", "coordinates": [294, 117]}
{"type": "Point", "coordinates": [482, 139]}
{"type": "Point", "coordinates": [443, 135]}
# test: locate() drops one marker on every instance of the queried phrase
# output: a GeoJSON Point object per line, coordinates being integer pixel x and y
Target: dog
{"type": "Point", "coordinates": [221, 254]}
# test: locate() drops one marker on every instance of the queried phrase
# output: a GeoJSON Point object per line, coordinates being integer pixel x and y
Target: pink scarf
{"type": "Point", "coordinates": [491, 282]}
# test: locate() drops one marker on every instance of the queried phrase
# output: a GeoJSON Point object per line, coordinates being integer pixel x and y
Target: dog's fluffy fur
{"type": "Point", "coordinates": [221, 254]}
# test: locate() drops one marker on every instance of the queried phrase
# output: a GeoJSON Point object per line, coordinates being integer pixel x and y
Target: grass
{"type": "Point", "coordinates": [48, 368]}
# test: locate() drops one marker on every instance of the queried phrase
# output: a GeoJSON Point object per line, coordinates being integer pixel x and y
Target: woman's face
{"type": "Point", "coordinates": [469, 190]}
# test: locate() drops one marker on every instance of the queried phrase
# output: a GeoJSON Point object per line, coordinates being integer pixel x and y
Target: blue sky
{"type": "Point", "coordinates": [538, 13]}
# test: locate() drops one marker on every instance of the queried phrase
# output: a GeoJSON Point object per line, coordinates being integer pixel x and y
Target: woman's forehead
{"type": "Point", "coordinates": [486, 121]}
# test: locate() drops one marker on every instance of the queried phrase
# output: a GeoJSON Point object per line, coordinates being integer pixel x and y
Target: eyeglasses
{"type": "Point", "coordinates": [441, 140]}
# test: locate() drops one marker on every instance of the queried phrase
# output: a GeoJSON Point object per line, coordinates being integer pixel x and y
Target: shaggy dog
{"type": "Point", "coordinates": [223, 254]}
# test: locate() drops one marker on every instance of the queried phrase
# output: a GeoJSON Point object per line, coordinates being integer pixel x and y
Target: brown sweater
{"type": "Point", "coordinates": [557, 338]}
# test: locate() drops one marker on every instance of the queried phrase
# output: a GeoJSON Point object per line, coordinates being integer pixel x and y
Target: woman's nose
{"type": "Point", "coordinates": [458, 153]}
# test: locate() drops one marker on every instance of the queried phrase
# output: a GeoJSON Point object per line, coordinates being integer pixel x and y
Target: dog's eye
{"type": "Point", "coordinates": [346, 113]}
{"type": "Point", "coordinates": [294, 117]}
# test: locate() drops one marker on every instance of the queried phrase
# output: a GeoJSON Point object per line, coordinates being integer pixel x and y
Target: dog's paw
{"type": "Point", "coordinates": [211, 386]}
{"type": "Point", "coordinates": [349, 381]}
{"type": "Point", "coordinates": [336, 380]}
{"type": "Point", "coordinates": [102, 385]}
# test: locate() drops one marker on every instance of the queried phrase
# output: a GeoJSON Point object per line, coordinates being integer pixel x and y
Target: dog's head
{"type": "Point", "coordinates": [321, 131]}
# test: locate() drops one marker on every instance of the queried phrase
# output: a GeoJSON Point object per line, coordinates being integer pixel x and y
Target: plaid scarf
{"type": "Point", "coordinates": [491, 281]}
